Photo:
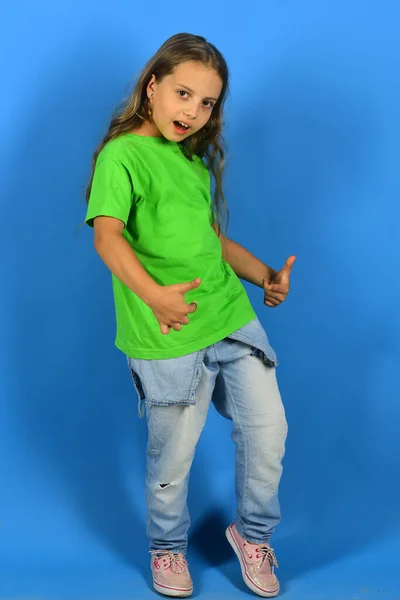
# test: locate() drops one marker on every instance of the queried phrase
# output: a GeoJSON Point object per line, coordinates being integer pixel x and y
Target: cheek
{"type": "Point", "coordinates": [204, 118]}
{"type": "Point", "coordinates": [162, 107]}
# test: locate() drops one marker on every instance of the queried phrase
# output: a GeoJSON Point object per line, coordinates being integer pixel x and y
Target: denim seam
{"type": "Point", "coordinates": [184, 402]}
{"type": "Point", "coordinates": [177, 550]}
{"type": "Point", "coordinates": [196, 375]}
{"type": "Point", "coordinates": [244, 495]}
{"type": "Point", "coordinates": [149, 475]}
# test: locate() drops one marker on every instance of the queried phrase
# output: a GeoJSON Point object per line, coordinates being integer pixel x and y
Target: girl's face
{"type": "Point", "coordinates": [182, 102]}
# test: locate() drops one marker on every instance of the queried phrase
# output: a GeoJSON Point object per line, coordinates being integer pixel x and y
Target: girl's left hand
{"type": "Point", "coordinates": [277, 289]}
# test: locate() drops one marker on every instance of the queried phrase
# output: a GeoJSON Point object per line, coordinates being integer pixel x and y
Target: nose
{"type": "Point", "coordinates": [191, 111]}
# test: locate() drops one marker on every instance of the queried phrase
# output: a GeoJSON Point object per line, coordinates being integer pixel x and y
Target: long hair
{"type": "Point", "coordinates": [207, 142]}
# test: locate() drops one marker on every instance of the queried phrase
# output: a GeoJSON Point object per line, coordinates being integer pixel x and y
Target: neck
{"type": "Point", "coordinates": [148, 129]}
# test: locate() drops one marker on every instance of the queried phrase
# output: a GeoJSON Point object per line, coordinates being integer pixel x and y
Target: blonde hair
{"type": "Point", "coordinates": [207, 142]}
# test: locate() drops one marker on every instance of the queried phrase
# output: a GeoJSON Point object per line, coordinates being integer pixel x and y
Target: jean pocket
{"type": "Point", "coordinates": [261, 354]}
{"type": "Point", "coordinates": [253, 334]}
{"type": "Point", "coordinates": [168, 381]}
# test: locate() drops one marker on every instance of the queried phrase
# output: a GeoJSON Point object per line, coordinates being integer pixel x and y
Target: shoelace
{"type": "Point", "coordinates": [265, 553]}
{"type": "Point", "coordinates": [269, 554]}
{"type": "Point", "coordinates": [176, 561]}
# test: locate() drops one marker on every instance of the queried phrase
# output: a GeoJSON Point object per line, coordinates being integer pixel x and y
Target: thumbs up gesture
{"type": "Point", "coordinates": [276, 290]}
{"type": "Point", "coordinates": [170, 308]}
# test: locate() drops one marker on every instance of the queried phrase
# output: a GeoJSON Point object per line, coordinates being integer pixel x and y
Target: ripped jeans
{"type": "Point", "coordinates": [238, 375]}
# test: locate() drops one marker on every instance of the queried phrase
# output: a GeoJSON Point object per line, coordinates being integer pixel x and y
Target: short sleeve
{"type": "Point", "coordinates": [111, 194]}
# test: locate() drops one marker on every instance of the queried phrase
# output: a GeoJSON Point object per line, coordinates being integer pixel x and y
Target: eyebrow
{"type": "Point", "coordinates": [192, 92]}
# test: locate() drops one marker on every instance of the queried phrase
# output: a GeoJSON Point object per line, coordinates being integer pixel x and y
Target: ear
{"type": "Point", "coordinates": [151, 86]}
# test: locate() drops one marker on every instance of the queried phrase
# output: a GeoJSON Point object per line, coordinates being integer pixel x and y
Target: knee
{"type": "Point", "coordinates": [268, 435]}
{"type": "Point", "coordinates": [278, 435]}
{"type": "Point", "coordinates": [280, 424]}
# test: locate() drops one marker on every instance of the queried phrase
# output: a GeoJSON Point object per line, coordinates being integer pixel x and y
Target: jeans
{"type": "Point", "coordinates": [241, 382]}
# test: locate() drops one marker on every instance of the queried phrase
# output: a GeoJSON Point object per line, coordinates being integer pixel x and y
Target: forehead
{"type": "Point", "coordinates": [203, 80]}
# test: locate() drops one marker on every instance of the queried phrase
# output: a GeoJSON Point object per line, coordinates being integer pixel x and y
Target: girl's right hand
{"type": "Point", "coordinates": [170, 308]}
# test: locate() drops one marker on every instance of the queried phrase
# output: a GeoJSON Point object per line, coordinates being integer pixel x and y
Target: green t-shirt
{"type": "Point", "coordinates": [163, 198]}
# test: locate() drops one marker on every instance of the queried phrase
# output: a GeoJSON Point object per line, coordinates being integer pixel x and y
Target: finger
{"type": "Point", "coordinates": [165, 329]}
{"type": "Point", "coordinates": [278, 288]}
{"type": "Point", "coordinates": [275, 294]}
{"type": "Point", "coordinates": [187, 287]}
{"type": "Point", "coordinates": [185, 320]}
{"type": "Point", "coordinates": [272, 303]}
{"type": "Point", "coordinates": [274, 297]}
{"type": "Point", "coordinates": [191, 308]}
{"type": "Point", "coordinates": [177, 326]}
{"type": "Point", "coordinates": [289, 263]}
{"type": "Point", "coordinates": [277, 297]}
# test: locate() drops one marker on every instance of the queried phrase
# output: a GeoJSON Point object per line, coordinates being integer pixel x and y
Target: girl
{"type": "Point", "coordinates": [160, 234]}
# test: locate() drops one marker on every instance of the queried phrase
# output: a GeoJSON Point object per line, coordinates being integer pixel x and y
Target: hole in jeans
{"type": "Point", "coordinates": [163, 485]}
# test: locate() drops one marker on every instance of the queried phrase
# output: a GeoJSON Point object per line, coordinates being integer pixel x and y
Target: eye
{"type": "Point", "coordinates": [182, 93]}
{"type": "Point", "coordinates": [208, 104]}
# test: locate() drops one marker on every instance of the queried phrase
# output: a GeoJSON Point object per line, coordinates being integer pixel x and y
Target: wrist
{"type": "Point", "coordinates": [269, 275]}
{"type": "Point", "coordinates": [152, 294]}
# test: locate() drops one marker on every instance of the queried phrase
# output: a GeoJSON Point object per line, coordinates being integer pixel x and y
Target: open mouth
{"type": "Point", "coordinates": [181, 127]}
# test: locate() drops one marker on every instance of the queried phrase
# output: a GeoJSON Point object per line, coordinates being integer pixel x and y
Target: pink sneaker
{"type": "Point", "coordinates": [257, 563]}
{"type": "Point", "coordinates": [171, 575]}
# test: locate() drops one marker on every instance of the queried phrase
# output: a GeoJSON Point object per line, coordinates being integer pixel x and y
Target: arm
{"type": "Point", "coordinates": [119, 257]}
{"type": "Point", "coordinates": [167, 302]}
{"type": "Point", "coordinates": [245, 265]}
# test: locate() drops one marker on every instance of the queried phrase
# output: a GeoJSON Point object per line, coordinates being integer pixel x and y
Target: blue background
{"type": "Point", "coordinates": [313, 129]}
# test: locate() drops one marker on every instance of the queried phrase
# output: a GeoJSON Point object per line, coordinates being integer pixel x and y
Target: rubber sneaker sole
{"type": "Point", "coordinates": [169, 591]}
